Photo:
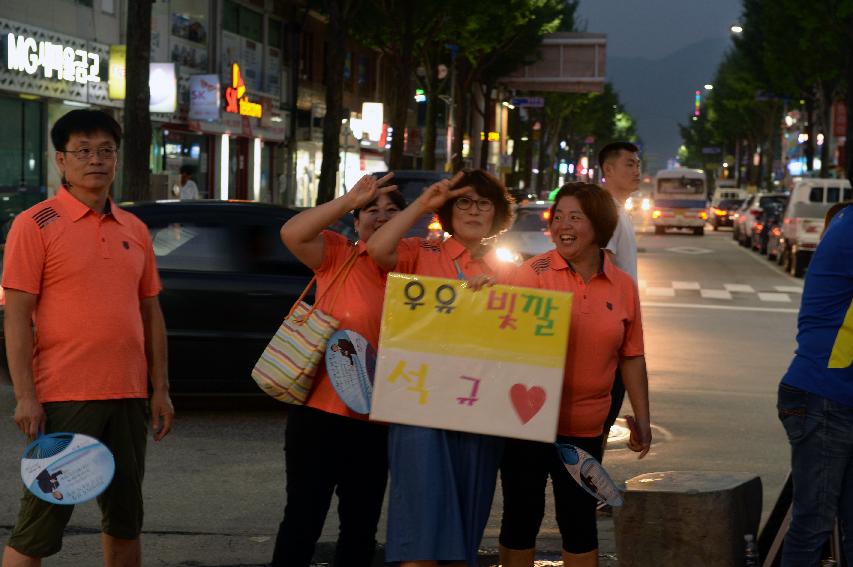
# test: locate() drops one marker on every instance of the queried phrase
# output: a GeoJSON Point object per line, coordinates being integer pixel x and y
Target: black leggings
{"type": "Point", "coordinates": [524, 473]}
{"type": "Point", "coordinates": [325, 453]}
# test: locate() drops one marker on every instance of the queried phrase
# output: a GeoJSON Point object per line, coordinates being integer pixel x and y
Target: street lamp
{"type": "Point", "coordinates": [736, 29]}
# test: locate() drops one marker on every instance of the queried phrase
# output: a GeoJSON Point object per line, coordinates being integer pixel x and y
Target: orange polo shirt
{"type": "Point", "coordinates": [436, 259]}
{"type": "Point", "coordinates": [358, 308]}
{"type": "Point", "coordinates": [606, 325]}
{"type": "Point", "coordinates": [89, 271]}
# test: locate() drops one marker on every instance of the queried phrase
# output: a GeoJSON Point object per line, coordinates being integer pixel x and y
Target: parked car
{"type": "Point", "coordinates": [721, 211]}
{"type": "Point", "coordinates": [411, 183]}
{"type": "Point", "coordinates": [739, 217]}
{"type": "Point", "coordinates": [803, 219]}
{"type": "Point", "coordinates": [749, 216]}
{"type": "Point", "coordinates": [770, 219]}
{"type": "Point", "coordinates": [529, 234]}
{"type": "Point", "coordinates": [228, 281]}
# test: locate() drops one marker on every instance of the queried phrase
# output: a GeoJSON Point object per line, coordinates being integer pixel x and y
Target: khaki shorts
{"type": "Point", "coordinates": [122, 425]}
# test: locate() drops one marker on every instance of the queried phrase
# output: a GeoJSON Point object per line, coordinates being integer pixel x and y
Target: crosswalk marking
{"type": "Point", "coordinates": [743, 288]}
{"type": "Point", "coordinates": [715, 293]}
{"type": "Point", "coordinates": [788, 288]}
{"type": "Point", "coordinates": [660, 291]}
{"type": "Point", "coordinates": [777, 297]}
{"type": "Point", "coordinates": [686, 285]}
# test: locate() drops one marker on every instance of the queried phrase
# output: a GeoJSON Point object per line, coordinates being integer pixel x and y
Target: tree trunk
{"type": "Point", "coordinates": [335, 55]}
{"type": "Point", "coordinates": [402, 92]}
{"type": "Point", "coordinates": [810, 143]}
{"type": "Point", "coordinates": [430, 126]}
{"type": "Point", "coordinates": [137, 117]}
{"type": "Point", "coordinates": [848, 141]}
{"type": "Point", "coordinates": [827, 92]}
{"type": "Point", "coordinates": [488, 119]}
{"type": "Point", "coordinates": [460, 106]}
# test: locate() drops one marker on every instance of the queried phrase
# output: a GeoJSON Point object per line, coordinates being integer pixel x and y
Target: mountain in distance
{"type": "Point", "coordinates": [659, 93]}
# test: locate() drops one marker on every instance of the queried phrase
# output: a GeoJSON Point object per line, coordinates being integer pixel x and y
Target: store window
{"type": "Point", "coordinates": [242, 21]}
{"type": "Point", "coordinates": [22, 182]}
{"type": "Point", "coordinates": [188, 149]}
{"type": "Point", "coordinates": [190, 28]}
{"type": "Point", "coordinates": [275, 34]}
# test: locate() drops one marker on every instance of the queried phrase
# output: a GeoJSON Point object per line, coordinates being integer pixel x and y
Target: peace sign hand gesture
{"type": "Point", "coordinates": [439, 193]}
{"type": "Point", "coordinates": [367, 189]}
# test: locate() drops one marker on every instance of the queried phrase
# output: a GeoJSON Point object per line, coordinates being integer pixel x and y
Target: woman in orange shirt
{"type": "Point", "coordinates": [606, 331]}
{"type": "Point", "coordinates": [328, 447]}
{"type": "Point", "coordinates": [442, 482]}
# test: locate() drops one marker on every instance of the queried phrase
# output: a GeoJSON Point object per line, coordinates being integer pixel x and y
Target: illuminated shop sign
{"type": "Point", "coordinates": [236, 100]}
{"type": "Point", "coordinates": [27, 55]}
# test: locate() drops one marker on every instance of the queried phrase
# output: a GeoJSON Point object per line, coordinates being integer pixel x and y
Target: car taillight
{"type": "Point", "coordinates": [758, 227]}
{"type": "Point", "coordinates": [776, 231]}
{"type": "Point", "coordinates": [657, 214]}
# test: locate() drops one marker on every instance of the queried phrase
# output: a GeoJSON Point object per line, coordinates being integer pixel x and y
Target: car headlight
{"type": "Point", "coordinates": [508, 255]}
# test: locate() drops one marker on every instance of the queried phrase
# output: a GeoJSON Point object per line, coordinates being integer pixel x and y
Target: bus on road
{"type": "Point", "coordinates": [679, 197]}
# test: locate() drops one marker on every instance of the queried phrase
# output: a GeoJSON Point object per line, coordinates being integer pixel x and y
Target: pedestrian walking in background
{"type": "Point", "coordinates": [606, 333]}
{"type": "Point", "coordinates": [186, 189]}
{"type": "Point", "coordinates": [816, 399]}
{"type": "Point", "coordinates": [620, 168]}
{"type": "Point", "coordinates": [83, 270]}
{"type": "Point", "coordinates": [328, 447]}
{"type": "Point", "coordinates": [443, 482]}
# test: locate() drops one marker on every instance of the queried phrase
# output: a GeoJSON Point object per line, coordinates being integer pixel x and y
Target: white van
{"type": "Point", "coordinates": [802, 223]}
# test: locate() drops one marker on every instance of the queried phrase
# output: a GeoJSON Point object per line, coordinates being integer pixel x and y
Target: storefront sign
{"type": "Point", "coordinates": [162, 82]}
{"type": "Point", "coordinates": [163, 86]}
{"type": "Point", "coordinates": [204, 97]}
{"type": "Point", "coordinates": [236, 100]}
{"type": "Point", "coordinates": [25, 54]}
{"type": "Point", "coordinates": [118, 71]}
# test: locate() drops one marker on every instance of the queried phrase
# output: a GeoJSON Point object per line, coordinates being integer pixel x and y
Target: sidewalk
{"type": "Point", "coordinates": [82, 548]}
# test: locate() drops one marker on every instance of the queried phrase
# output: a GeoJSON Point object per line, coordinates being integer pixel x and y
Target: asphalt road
{"type": "Point", "coordinates": [719, 325]}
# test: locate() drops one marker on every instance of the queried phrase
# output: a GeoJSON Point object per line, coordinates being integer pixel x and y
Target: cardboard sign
{"type": "Point", "coordinates": [483, 362]}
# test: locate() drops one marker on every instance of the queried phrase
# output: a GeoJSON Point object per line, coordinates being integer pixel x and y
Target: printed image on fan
{"type": "Point", "coordinates": [351, 363]}
{"type": "Point", "coordinates": [67, 468]}
{"type": "Point", "coordinates": [589, 474]}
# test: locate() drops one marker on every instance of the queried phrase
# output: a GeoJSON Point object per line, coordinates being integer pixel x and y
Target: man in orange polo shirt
{"type": "Point", "coordinates": [84, 272]}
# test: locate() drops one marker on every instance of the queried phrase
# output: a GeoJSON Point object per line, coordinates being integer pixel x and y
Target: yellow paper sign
{"type": "Point", "coordinates": [489, 361]}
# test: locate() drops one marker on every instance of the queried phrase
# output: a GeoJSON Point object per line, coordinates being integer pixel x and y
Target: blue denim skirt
{"type": "Point", "coordinates": [442, 485]}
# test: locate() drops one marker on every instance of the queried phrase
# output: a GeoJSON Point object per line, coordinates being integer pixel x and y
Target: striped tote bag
{"type": "Point", "coordinates": [288, 364]}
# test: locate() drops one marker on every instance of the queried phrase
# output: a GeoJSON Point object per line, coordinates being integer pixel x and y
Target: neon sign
{"type": "Point", "coordinates": [73, 65]}
{"type": "Point", "coordinates": [236, 100]}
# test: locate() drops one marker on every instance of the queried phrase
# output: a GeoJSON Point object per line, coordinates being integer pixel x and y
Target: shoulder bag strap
{"type": "Point", "coordinates": [337, 279]}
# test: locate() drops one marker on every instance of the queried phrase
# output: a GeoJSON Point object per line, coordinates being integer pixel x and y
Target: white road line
{"type": "Point", "coordinates": [660, 291]}
{"type": "Point", "coordinates": [743, 288]}
{"type": "Point", "coordinates": [777, 297]}
{"type": "Point", "coordinates": [788, 288]}
{"type": "Point", "coordinates": [715, 294]}
{"type": "Point", "coordinates": [718, 307]}
{"type": "Point", "coordinates": [686, 285]}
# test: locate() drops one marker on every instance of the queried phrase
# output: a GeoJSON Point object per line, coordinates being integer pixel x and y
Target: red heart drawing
{"type": "Point", "coordinates": [526, 401]}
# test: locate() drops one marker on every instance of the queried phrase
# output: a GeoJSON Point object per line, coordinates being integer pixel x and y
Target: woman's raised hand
{"type": "Point", "coordinates": [369, 188]}
{"type": "Point", "coordinates": [438, 193]}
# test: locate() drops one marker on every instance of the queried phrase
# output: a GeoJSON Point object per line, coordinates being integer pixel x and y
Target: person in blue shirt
{"type": "Point", "coordinates": [816, 399]}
